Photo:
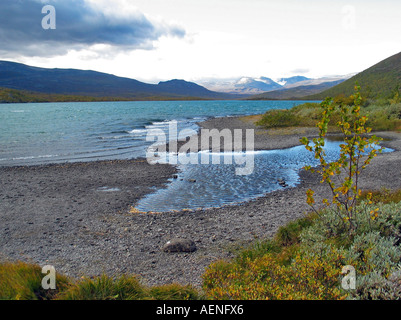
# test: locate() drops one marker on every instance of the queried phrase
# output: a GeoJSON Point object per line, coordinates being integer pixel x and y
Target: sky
{"type": "Point", "coordinates": [196, 40]}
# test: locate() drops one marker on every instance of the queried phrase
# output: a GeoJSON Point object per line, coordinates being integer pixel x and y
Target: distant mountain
{"type": "Point", "coordinates": [242, 86]}
{"type": "Point", "coordinates": [185, 88]}
{"type": "Point", "coordinates": [295, 93]}
{"type": "Point", "coordinates": [248, 85]}
{"type": "Point", "coordinates": [378, 81]}
{"type": "Point", "coordinates": [318, 81]}
{"type": "Point", "coordinates": [261, 85]}
{"type": "Point", "coordinates": [96, 84]}
{"type": "Point", "coordinates": [292, 80]}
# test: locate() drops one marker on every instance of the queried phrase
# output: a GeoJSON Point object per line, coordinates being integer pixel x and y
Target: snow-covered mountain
{"type": "Point", "coordinates": [315, 82]}
{"type": "Point", "coordinates": [285, 82]}
{"type": "Point", "coordinates": [244, 85]}
{"type": "Point", "coordinates": [250, 85]}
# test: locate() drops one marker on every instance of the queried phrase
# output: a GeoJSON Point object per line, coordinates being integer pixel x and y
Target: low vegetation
{"type": "Point", "coordinates": [23, 281]}
{"type": "Point", "coordinates": [306, 259]}
{"type": "Point", "coordinates": [384, 115]}
{"type": "Point", "coordinates": [22, 96]}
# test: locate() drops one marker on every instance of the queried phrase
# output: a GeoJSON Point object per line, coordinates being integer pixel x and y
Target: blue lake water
{"type": "Point", "coordinates": [39, 133]}
{"type": "Point", "coordinates": [32, 134]}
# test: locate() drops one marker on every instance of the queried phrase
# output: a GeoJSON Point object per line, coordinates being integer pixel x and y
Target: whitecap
{"type": "Point", "coordinates": [138, 131]}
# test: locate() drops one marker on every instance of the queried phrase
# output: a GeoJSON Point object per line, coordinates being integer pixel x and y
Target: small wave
{"type": "Point", "coordinates": [138, 131]}
{"type": "Point", "coordinates": [34, 157]}
{"type": "Point", "coordinates": [112, 137]}
{"type": "Point", "coordinates": [164, 122]}
{"type": "Point", "coordinates": [151, 121]}
{"type": "Point", "coordinates": [158, 125]}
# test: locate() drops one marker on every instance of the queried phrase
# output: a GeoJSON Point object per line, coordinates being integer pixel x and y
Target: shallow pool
{"type": "Point", "coordinates": [214, 185]}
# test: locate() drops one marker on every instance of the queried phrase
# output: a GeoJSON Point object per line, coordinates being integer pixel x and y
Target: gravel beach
{"type": "Point", "coordinates": [77, 216]}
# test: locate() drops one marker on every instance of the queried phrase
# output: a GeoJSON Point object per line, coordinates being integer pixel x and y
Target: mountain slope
{"type": "Point", "coordinates": [96, 84]}
{"type": "Point", "coordinates": [184, 88]}
{"type": "Point", "coordinates": [378, 81]}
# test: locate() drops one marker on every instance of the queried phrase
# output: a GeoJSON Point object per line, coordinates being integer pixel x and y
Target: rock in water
{"type": "Point", "coordinates": [282, 183]}
{"type": "Point", "coordinates": [179, 245]}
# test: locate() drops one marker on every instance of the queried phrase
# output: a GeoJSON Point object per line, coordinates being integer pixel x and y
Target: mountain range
{"type": "Point", "coordinates": [96, 84]}
{"type": "Point", "coordinates": [262, 85]}
{"type": "Point", "coordinates": [381, 81]}
{"type": "Point", "coordinates": [296, 92]}
{"type": "Point", "coordinates": [23, 83]}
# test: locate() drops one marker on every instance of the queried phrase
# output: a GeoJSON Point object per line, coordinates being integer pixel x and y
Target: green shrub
{"type": "Point", "coordinates": [356, 153]}
{"type": "Point", "coordinates": [305, 260]}
{"type": "Point", "coordinates": [373, 253]}
{"type": "Point", "coordinates": [290, 233]}
{"type": "Point", "coordinates": [174, 292]}
{"type": "Point", "coordinates": [379, 217]}
{"type": "Point", "coordinates": [306, 277]}
{"type": "Point", "coordinates": [258, 249]}
{"type": "Point", "coordinates": [375, 286]}
{"type": "Point", "coordinates": [125, 288]}
{"type": "Point", "coordinates": [383, 115]}
{"type": "Point", "coordinates": [381, 196]}
{"type": "Point", "coordinates": [279, 118]}
{"type": "Point", "coordinates": [23, 281]}
{"type": "Point", "coordinates": [105, 288]}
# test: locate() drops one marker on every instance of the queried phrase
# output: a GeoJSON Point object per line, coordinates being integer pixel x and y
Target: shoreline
{"type": "Point", "coordinates": [59, 215]}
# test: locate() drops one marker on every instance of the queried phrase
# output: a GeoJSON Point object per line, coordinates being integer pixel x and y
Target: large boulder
{"type": "Point", "coordinates": [179, 245]}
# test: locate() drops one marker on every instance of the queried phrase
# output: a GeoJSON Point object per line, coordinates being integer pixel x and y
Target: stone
{"type": "Point", "coordinates": [282, 183]}
{"type": "Point", "coordinates": [179, 245]}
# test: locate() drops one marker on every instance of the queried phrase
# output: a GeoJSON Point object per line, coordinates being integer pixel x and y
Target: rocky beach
{"type": "Point", "coordinates": [79, 217]}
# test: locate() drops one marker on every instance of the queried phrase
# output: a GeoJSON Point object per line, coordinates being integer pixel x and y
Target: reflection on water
{"type": "Point", "coordinates": [213, 185]}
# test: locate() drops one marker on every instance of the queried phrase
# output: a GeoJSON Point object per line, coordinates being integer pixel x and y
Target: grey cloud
{"type": "Point", "coordinates": [78, 25]}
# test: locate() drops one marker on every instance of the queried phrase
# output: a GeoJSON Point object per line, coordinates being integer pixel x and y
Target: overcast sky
{"type": "Point", "coordinates": [152, 40]}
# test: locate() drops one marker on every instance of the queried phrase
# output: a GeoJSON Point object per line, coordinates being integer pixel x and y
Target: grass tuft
{"type": "Point", "coordinates": [23, 281]}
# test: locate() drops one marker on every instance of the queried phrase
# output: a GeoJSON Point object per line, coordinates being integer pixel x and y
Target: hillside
{"type": "Point", "coordinates": [96, 84]}
{"type": "Point", "coordinates": [296, 93]}
{"type": "Point", "coordinates": [379, 81]}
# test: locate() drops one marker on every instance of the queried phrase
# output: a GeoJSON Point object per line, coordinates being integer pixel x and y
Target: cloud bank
{"type": "Point", "coordinates": [79, 25]}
